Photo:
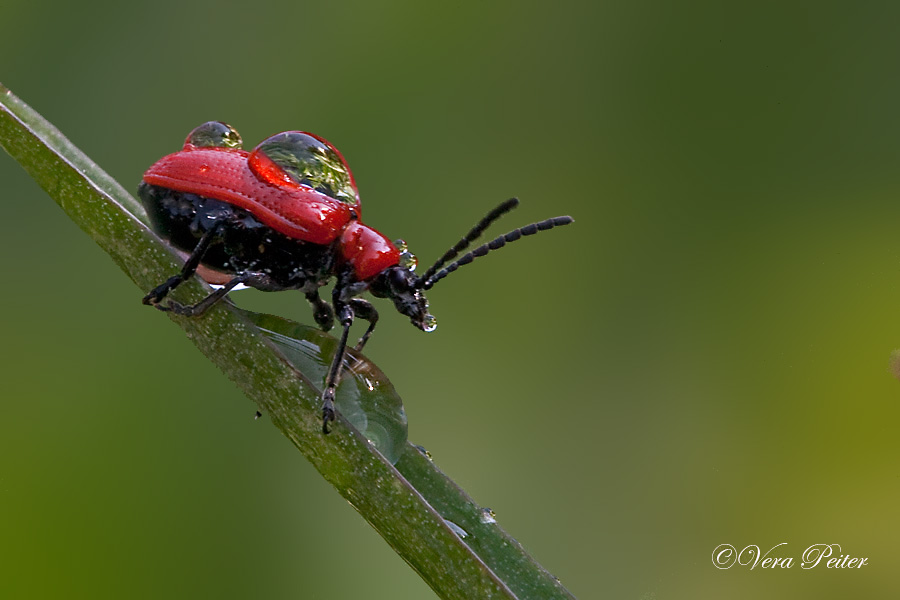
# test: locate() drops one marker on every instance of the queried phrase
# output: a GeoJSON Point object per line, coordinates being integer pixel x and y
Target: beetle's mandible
{"type": "Point", "coordinates": [286, 216]}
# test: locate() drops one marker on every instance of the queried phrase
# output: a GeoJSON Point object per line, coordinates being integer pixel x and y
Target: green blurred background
{"type": "Point", "coordinates": [701, 359]}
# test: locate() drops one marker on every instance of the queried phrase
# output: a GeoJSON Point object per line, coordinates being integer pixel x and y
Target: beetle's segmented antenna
{"type": "Point", "coordinates": [496, 244]}
{"type": "Point", "coordinates": [470, 237]}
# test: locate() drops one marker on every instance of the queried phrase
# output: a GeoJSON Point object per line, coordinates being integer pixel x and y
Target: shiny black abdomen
{"type": "Point", "coordinates": [242, 244]}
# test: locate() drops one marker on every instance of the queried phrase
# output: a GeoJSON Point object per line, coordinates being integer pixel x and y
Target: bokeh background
{"type": "Point", "coordinates": [703, 358]}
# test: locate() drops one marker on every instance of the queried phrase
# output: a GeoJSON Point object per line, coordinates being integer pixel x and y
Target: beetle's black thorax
{"type": "Point", "coordinates": [242, 244]}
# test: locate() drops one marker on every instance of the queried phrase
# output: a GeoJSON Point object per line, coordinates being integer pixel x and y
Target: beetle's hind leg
{"type": "Point", "coordinates": [190, 267]}
{"type": "Point", "coordinates": [260, 281]}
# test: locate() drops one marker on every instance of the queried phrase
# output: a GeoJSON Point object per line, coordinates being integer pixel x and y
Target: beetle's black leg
{"type": "Point", "coordinates": [255, 280]}
{"type": "Point", "coordinates": [190, 266]}
{"type": "Point", "coordinates": [364, 310]}
{"type": "Point", "coordinates": [345, 313]}
{"type": "Point", "coordinates": [322, 311]}
{"type": "Point", "coordinates": [195, 310]}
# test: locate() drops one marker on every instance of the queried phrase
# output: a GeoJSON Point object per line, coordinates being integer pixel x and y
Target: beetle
{"type": "Point", "coordinates": [287, 216]}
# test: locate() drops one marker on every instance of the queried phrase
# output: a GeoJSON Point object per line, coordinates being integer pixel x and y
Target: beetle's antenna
{"type": "Point", "coordinates": [496, 244]}
{"type": "Point", "coordinates": [470, 237]}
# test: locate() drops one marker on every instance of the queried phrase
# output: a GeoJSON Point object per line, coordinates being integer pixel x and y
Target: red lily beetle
{"type": "Point", "coordinates": [286, 216]}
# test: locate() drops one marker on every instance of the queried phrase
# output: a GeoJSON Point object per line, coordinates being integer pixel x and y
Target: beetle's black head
{"type": "Point", "coordinates": [408, 291]}
{"type": "Point", "coordinates": [399, 284]}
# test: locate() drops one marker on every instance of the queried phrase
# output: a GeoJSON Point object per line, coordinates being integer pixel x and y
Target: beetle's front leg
{"type": "Point", "coordinates": [364, 310]}
{"type": "Point", "coordinates": [322, 311]}
{"type": "Point", "coordinates": [345, 315]}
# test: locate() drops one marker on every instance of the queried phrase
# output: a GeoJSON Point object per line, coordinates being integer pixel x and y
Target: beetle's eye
{"type": "Point", "coordinates": [214, 134]}
{"type": "Point", "coordinates": [398, 280]}
{"type": "Point", "coordinates": [309, 161]}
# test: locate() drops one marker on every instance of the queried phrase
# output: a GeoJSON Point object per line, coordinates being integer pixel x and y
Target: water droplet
{"type": "Point", "coordinates": [307, 160]}
{"type": "Point", "coordinates": [430, 323]}
{"type": "Point", "coordinates": [408, 260]}
{"type": "Point", "coordinates": [488, 516]}
{"type": "Point", "coordinates": [423, 451]}
{"type": "Point", "coordinates": [456, 528]}
{"type": "Point", "coordinates": [214, 134]}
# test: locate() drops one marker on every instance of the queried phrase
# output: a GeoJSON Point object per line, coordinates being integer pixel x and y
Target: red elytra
{"type": "Point", "coordinates": [252, 181]}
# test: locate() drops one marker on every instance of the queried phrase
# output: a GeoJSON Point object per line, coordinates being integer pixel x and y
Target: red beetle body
{"type": "Point", "coordinates": [252, 181]}
{"type": "Point", "coordinates": [286, 216]}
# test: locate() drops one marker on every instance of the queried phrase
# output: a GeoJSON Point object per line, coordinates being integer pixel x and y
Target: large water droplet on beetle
{"type": "Point", "coordinates": [214, 134]}
{"type": "Point", "coordinates": [430, 323]}
{"type": "Point", "coordinates": [311, 161]}
{"type": "Point", "coordinates": [365, 396]}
